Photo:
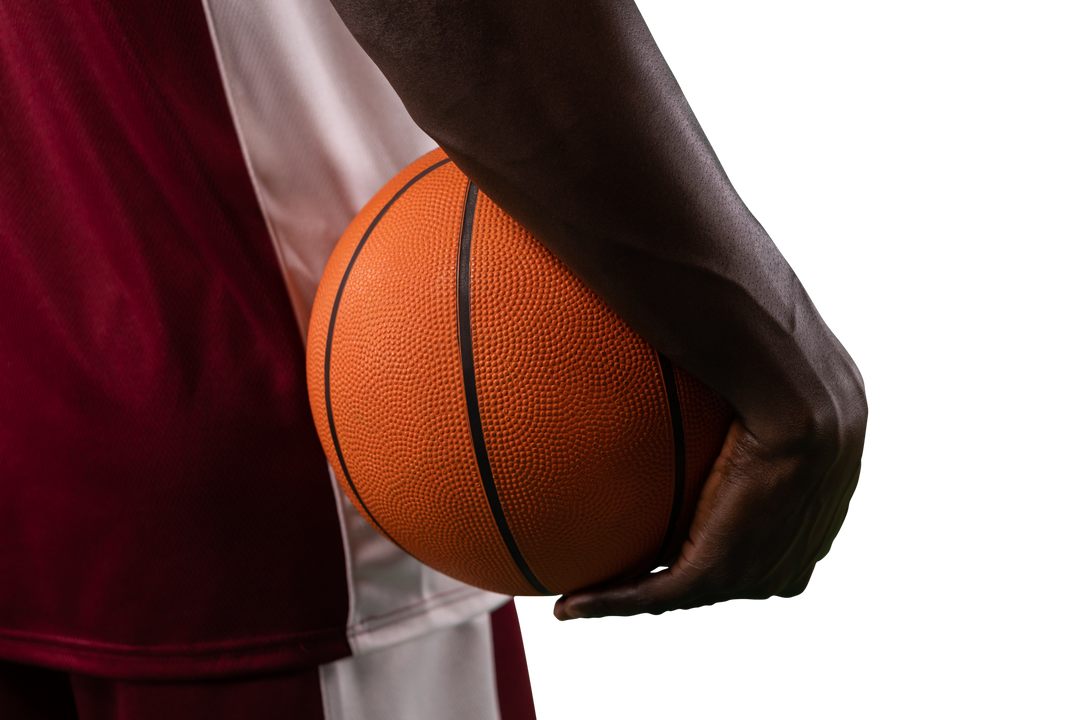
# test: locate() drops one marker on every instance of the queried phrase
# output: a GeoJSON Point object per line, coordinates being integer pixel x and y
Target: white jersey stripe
{"type": "Point", "coordinates": [448, 675]}
{"type": "Point", "coordinates": [322, 131]}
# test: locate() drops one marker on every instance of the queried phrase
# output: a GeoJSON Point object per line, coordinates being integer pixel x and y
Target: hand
{"type": "Point", "coordinates": [764, 519]}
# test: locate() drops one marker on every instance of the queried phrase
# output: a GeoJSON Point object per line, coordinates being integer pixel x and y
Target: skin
{"type": "Point", "coordinates": [566, 114]}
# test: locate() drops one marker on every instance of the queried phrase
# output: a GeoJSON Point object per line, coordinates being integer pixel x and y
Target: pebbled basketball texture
{"type": "Point", "coordinates": [489, 413]}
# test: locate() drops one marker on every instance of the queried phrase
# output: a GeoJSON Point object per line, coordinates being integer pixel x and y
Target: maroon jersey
{"type": "Point", "coordinates": [165, 507]}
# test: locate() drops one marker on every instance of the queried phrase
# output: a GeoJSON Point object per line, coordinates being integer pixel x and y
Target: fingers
{"type": "Point", "coordinates": [655, 593]}
{"type": "Point", "coordinates": [701, 555]}
{"type": "Point", "coordinates": [831, 545]}
{"type": "Point", "coordinates": [756, 533]}
{"type": "Point", "coordinates": [797, 587]}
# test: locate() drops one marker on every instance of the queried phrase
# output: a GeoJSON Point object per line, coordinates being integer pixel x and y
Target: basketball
{"type": "Point", "coordinates": [485, 410]}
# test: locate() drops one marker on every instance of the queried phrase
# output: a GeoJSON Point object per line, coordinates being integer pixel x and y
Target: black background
{"type": "Point", "coordinates": [795, 105]}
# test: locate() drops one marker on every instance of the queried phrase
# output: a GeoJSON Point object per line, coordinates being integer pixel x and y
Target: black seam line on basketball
{"type": "Point", "coordinates": [472, 400]}
{"type": "Point", "coordinates": [679, 441]}
{"type": "Point", "coordinates": [330, 338]}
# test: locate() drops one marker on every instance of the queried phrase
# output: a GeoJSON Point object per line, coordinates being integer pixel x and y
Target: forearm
{"type": "Point", "coordinates": [567, 116]}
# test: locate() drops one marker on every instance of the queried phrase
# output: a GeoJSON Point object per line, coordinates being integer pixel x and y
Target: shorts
{"type": "Point", "coordinates": [472, 671]}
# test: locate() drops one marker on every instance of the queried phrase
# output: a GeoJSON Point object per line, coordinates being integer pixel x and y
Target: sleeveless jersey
{"type": "Point", "coordinates": [172, 179]}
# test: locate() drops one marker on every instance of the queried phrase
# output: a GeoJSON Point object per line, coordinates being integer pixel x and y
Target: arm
{"type": "Point", "coordinates": [566, 115]}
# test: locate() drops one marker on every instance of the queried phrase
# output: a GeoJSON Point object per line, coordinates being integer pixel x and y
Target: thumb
{"type": "Point", "coordinates": [655, 593]}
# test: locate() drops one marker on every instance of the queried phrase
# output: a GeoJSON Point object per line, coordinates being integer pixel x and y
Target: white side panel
{"type": "Point", "coordinates": [448, 675]}
{"type": "Point", "coordinates": [321, 128]}
{"type": "Point", "coordinates": [322, 131]}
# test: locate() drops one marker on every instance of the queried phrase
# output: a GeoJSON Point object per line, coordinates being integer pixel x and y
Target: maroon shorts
{"type": "Point", "coordinates": [33, 693]}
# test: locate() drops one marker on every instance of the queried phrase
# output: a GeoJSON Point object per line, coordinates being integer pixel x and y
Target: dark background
{"type": "Point", "coordinates": [801, 109]}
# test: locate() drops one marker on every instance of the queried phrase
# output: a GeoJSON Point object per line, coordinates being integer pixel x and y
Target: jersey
{"type": "Point", "coordinates": [174, 178]}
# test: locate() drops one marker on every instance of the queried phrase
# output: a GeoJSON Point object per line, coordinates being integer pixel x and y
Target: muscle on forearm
{"type": "Point", "coordinates": [566, 114]}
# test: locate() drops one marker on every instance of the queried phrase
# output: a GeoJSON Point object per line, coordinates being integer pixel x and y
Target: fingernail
{"type": "Point", "coordinates": [575, 614]}
{"type": "Point", "coordinates": [568, 617]}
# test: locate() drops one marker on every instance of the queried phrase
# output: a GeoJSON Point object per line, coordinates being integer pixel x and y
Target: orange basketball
{"type": "Point", "coordinates": [489, 413]}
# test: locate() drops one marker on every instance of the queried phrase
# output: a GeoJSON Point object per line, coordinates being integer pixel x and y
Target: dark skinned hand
{"type": "Point", "coordinates": [763, 520]}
